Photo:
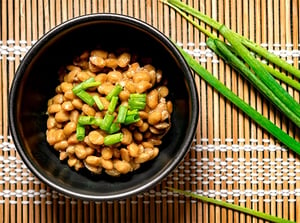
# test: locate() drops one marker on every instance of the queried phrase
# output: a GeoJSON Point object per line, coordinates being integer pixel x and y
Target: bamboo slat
{"type": "Point", "coordinates": [232, 158]}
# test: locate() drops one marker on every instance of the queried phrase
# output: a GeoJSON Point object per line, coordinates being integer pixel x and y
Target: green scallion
{"type": "Point", "coordinates": [251, 112]}
{"type": "Point", "coordinates": [112, 105]}
{"type": "Point", "coordinates": [85, 85]}
{"type": "Point", "coordinates": [114, 92]}
{"type": "Point", "coordinates": [80, 132]}
{"type": "Point", "coordinates": [178, 6]}
{"type": "Point", "coordinates": [107, 121]}
{"type": "Point", "coordinates": [113, 139]}
{"type": "Point", "coordinates": [114, 127]}
{"type": "Point", "coordinates": [221, 203]}
{"type": "Point", "coordinates": [223, 50]}
{"type": "Point", "coordinates": [86, 97]}
{"type": "Point", "coordinates": [86, 120]}
{"type": "Point", "coordinates": [97, 121]}
{"type": "Point", "coordinates": [259, 70]}
{"type": "Point", "coordinates": [98, 102]}
{"type": "Point", "coordinates": [122, 113]}
{"type": "Point", "coordinates": [254, 47]}
{"type": "Point", "coordinates": [137, 101]}
{"type": "Point", "coordinates": [132, 116]}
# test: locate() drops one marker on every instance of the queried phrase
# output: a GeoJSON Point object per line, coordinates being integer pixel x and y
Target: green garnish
{"type": "Point", "coordinates": [79, 90]}
{"type": "Point", "coordinates": [98, 102]}
{"type": "Point", "coordinates": [114, 127]}
{"type": "Point", "coordinates": [86, 97]}
{"type": "Point", "coordinates": [80, 132]}
{"type": "Point", "coordinates": [114, 92]}
{"type": "Point", "coordinates": [132, 116]}
{"type": "Point", "coordinates": [107, 121]}
{"type": "Point", "coordinates": [85, 85]}
{"type": "Point", "coordinates": [137, 101]}
{"type": "Point", "coordinates": [122, 113]}
{"type": "Point", "coordinates": [86, 120]}
{"type": "Point", "coordinates": [112, 105]}
{"type": "Point", "coordinates": [113, 139]}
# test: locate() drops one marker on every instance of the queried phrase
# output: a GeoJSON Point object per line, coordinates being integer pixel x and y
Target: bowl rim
{"type": "Point", "coordinates": [124, 19]}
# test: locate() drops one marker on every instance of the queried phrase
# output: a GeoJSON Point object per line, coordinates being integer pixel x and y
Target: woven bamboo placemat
{"type": "Point", "coordinates": [231, 158]}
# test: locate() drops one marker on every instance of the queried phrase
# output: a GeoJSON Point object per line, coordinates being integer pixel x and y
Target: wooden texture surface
{"type": "Point", "coordinates": [231, 158]}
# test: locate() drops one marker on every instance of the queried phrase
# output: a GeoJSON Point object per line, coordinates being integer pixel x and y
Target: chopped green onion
{"type": "Point", "coordinates": [122, 113]}
{"type": "Point", "coordinates": [113, 104]}
{"type": "Point", "coordinates": [136, 105]}
{"type": "Point", "coordinates": [132, 112]}
{"type": "Point", "coordinates": [90, 85]}
{"type": "Point", "coordinates": [115, 127]}
{"type": "Point", "coordinates": [131, 119]}
{"type": "Point", "coordinates": [137, 101]}
{"type": "Point", "coordinates": [97, 121]}
{"type": "Point", "coordinates": [113, 139]}
{"type": "Point", "coordinates": [86, 97]}
{"type": "Point", "coordinates": [107, 121]}
{"type": "Point", "coordinates": [138, 97]}
{"type": "Point", "coordinates": [132, 116]}
{"type": "Point", "coordinates": [114, 92]}
{"type": "Point", "coordinates": [98, 102]}
{"type": "Point", "coordinates": [85, 85]}
{"type": "Point", "coordinates": [86, 120]}
{"type": "Point", "coordinates": [80, 132]}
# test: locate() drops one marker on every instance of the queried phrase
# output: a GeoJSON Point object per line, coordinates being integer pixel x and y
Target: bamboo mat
{"type": "Point", "coordinates": [231, 158]}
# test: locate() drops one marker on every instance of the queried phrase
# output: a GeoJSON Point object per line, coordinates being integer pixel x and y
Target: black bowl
{"type": "Point", "coordinates": [37, 77]}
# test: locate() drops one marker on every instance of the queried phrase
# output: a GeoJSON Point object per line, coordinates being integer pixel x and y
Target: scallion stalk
{"type": "Point", "coordinates": [221, 203]}
{"type": "Point", "coordinates": [282, 77]}
{"type": "Point", "coordinates": [113, 139]}
{"type": "Point", "coordinates": [260, 71]}
{"type": "Point", "coordinates": [279, 75]}
{"type": "Point", "coordinates": [254, 47]}
{"type": "Point", "coordinates": [222, 49]}
{"type": "Point", "coordinates": [251, 112]}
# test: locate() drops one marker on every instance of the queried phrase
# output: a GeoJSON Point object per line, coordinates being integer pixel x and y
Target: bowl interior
{"type": "Point", "coordinates": [35, 83]}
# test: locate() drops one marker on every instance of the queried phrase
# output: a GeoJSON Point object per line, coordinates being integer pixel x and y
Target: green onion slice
{"type": "Point", "coordinates": [113, 139]}
{"type": "Point", "coordinates": [114, 92]}
{"type": "Point", "coordinates": [107, 121]}
{"type": "Point", "coordinates": [98, 102]}
{"type": "Point", "coordinates": [80, 132]}
{"type": "Point", "coordinates": [113, 104]}
{"type": "Point", "coordinates": [122, 113]}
